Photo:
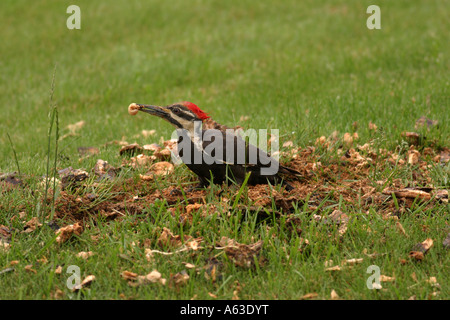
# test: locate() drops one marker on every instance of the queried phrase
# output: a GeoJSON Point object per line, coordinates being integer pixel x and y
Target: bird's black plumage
{"type": "Point", "coordinates": [219, 156]}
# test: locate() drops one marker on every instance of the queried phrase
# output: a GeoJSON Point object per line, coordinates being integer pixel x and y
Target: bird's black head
{"type": "Point", "coordinates": [182, 115]}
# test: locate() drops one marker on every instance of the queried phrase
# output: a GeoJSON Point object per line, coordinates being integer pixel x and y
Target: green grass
{"type": "Point", "coordinates": [311, 68]}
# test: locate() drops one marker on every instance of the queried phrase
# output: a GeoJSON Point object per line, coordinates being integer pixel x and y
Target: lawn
{"type": "Point", "coordinates": [342, 97]}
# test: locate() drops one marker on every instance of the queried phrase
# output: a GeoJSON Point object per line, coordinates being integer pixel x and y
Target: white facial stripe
{"type": "Point", "coordinates": [185, 123]}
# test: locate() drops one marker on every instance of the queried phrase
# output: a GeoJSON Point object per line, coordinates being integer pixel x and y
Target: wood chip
{"type": "Point", "coordinates": [335, 268]}
{"type": "Point", "coordinates": [384, 278]}
{"type": "Point", "coordinates": [408, 193]}
{"type": "Point", "coordinates": [352, 262]}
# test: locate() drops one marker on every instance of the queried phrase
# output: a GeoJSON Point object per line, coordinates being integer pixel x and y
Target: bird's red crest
{"type": "Point", "coordinates": [195, 109]}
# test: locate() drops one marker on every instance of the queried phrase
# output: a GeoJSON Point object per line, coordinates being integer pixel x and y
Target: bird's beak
{"type": "Point", "coordinates": [161, 112]}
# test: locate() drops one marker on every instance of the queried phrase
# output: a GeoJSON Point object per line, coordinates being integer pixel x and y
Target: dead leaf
{"type": "Point", "coordinates": [441, 195]}
{"type": "Point", "coordinates": [241, 254]}
{"type": "Point", "coordinates": [400, 228]}
{"type": "Point", "coordinates": [152, 277]}
{"type": "Point", "coordinates": [65, 233]}
{"type": "Point", "coordinates": [424, 121]}
{"type": "Point", "coordinates": [311, 295]}
{"type": "Point", "coordinates": [339, 218]}
{"type": "Point", "coordinates": [179, 279]}
{"type": "Point", "coordinates": [8, 182]}
{"type": "Point", "coordinates": [148, 133]}
{"type": "Point", "coordinates": [73, 128]}
{"type": "Point", "coordinates": [43, 260]}
{"type": "Point", "coordinates": [446, 242]}
{"type": "Point", "coordinates": [433, 282]}
{"type": "Point", "coordinates": [420, 249]}
{"type": "Point", "coordinates": [412, 137]}
{"type": "Point", "coordinates": [322, 141]}
{"type": "Point", "coordinates": [58, 270]}
{"type": "Point", "coordinates": [424, 246]}
{"type": "Point", "coordinates": [162, 168]}
{"type": "Point", "coordinates": [348, 140]}
{"type": "Point", "coordinates": [189, 265]}
{"type": "Point", "coordinates": [236, 291]}
{"type": "Point", "coordinates": [372, 126]}
{"type": "Point", "coordinates": [87, 151]}
{"type": "Point", "coordinates": [352, 262]}
{"type": "Point", "coordinates": [5, 233]}
{"type": "Point", "coordinates": [13, 262]}
{"type": "Point", "coordinates": [130, 149]}
{"type": "Point", "coordinates": [416, 255]}
{"type": "Point", "coordinates": [194, 244]}
{"type": "Point", "coordinates": [85, 283]}
{"type": "Point", "coordinates": [335, 268]}
{"type": "Point", "coordinates": [29, 268]}
{"type": "Point", "coordinates": [4, 246]}
{"type": "Point", "coordinates": [31, 225]}
{"type": "Point", "coordinates": [413, 157]}
{"type": "Point", "coordinates": [141, 160]}
{"type": "Point", "coordinates": [57, 294]}
{"type": "Point", "coordinates": [193, 208]}
{"type": "Point", "coordinates": [293, 224]}
{"type": "Point", "coordinates": [103, 169]}
{"type": "Point", "coordinates": [70, 176]}
{"type": "Point", "coordinates": [168, 239]}
{"type": "Point", "coordinates": [128, 275]}
{"type": "Point", "coordinates": [148, 254]}
{"type": "Point", "coordinates": [384, 278]}
{"type": "Point", "coordinates": [377, 286]}
{"type": "Point", "coordinates": [444, 157]}
{"type": "Point", "coordinates": [85, 255]}
{"type": "Point", "coordinates": [146, 177]}
{"type": "Point", "coordinates": [154, 147]}
{"type": "Point", "coordinates": [163, 154]}
{"type": "Point", "coordinates": [334, 295]}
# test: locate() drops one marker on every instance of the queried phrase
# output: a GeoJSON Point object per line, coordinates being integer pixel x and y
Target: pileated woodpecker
{"type": "Point", "coordinates": [216, 155]}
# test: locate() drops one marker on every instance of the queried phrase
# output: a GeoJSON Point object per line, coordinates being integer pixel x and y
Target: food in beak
{"type": "Point", "coordinates": [133, 109]}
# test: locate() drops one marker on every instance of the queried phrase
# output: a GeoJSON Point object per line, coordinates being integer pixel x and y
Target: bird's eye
{"type": "Point", "coordinates": [176, 110]}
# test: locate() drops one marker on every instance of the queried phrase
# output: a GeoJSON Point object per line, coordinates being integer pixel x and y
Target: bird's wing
{"type": "Point", "coordinates": [232, 149]}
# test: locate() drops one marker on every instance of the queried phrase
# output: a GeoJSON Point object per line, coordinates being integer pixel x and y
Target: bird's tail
{"type": "Point", "coordinates": [289, 171]}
